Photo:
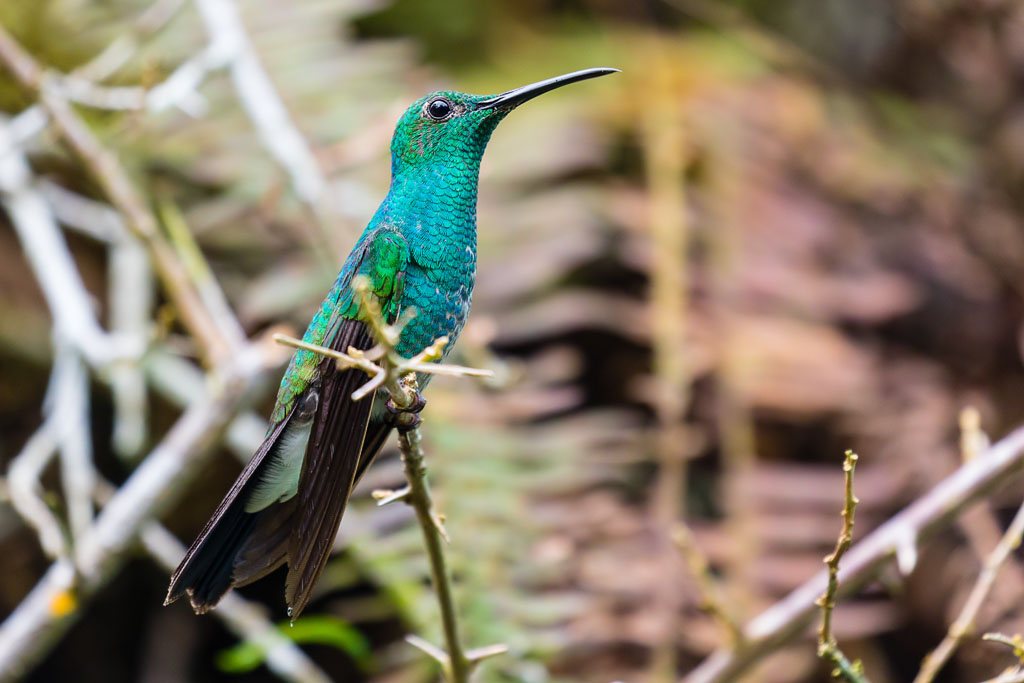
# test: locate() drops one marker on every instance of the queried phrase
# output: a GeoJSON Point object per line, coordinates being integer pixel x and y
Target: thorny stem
{"type": "Point", "coordinates": [827, 647]}
{"type": "Point", "coordinates": [410, 444]}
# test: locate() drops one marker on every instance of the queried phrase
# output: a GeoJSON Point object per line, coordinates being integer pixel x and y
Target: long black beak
{"type": "Point", "coordinates": [512, 98]}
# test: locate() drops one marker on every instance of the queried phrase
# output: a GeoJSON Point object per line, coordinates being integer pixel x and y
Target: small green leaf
{"type": "Point", "coordinates": [321, 630]}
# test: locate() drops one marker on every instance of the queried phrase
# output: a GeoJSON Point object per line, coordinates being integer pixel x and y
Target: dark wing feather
{"type": "Point", "coordinates": [267, 547]}
{"type": "Point", "coordinates": [206, 571]}
{"type": "Point", "coordinates": [329, 468]}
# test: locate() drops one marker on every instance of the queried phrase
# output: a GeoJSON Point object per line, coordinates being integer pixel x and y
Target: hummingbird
{"type": "Point", "coordinates": [417, 252]}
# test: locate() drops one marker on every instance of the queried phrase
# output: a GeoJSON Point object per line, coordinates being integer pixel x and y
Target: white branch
{"type": "Point", "coordinates": [70, 414]}
{"type": "Point", "coordinates": [51, 261]}
{"type": "Point", "coordinates": [261, 102]}
{"type": "Point", "coordinates": [183, 383]}
{"type": "Point", "coordinates": [26, 493]}
{"type": "Point", "coordinates": [130, 293]}
{"type": "Point", "coordinates": [27, 634]}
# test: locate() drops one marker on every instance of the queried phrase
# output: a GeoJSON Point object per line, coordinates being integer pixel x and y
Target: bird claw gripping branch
{"type": "Point", "coordinates": [406, 419]}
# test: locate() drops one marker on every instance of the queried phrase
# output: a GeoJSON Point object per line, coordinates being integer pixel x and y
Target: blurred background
{"type": "Point", "coordinates": [784, 230]}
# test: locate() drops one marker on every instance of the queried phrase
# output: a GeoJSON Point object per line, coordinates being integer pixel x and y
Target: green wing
{"type": "Point", "coordinates": [240, 544]}
{"type": "Point", "coordinates": [339, 432]}
{"type": "Point", "coordinates": [382, 256]}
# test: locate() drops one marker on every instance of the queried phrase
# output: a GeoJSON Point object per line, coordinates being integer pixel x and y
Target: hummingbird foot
{"type": "Point", "coordinates": [406, 419]}
{"type": "Point", "coordinates": [418, 403]}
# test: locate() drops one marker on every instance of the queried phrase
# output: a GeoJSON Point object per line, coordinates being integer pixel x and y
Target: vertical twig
{"type": "Point", "coordinates": [827, 647]}
{"type": "Point", "coordinates": [392, 373]}
{"type": "Point", "coordinates": [665, 152]}
{"type": "Point", "coordinates": [130, 293]}
{"type": "Point", "coordinates": [964, 624]}
{"type": "Point", "coordinates": [713, 600]}
{"type": "Point", "coordinates": [74, 438]}
{"type": "Point", "coordinates": [410, 444]}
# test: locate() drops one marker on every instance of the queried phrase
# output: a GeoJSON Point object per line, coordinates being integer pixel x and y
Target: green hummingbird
{"type": "Point", "coordinates": [418, 251]}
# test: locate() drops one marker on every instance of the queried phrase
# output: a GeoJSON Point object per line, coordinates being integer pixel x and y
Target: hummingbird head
{"type": "Point", "coordinates": [449, 130]}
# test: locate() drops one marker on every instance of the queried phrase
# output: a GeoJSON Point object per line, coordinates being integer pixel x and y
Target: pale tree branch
{"type": "Point", "coordinates": [898, 537]}
{"type": "Point", "coordinates": [74, 438]}
{"type": "Point", "coordinates": [261, 102]}
{"type": "Point", "coordinates": [29, 632]}
{"type": "Point", "coordinates": [51, 262]}
{"type": "Point", "coordinates": [109, 61]}
{"type": "Point", "coordinates": [26, 494]}
{"type": "Point", "coordinates": [244, 618]}
{"type": "Point", "coordinates": [964, 624]}
{"type": "Point", "coordinates": [217, 335]}
{"type": "Point", "coordinates": [130, 296]}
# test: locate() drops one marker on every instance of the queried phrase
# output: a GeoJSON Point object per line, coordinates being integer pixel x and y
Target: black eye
{"type": "Point", "coordinates": [439, 109]}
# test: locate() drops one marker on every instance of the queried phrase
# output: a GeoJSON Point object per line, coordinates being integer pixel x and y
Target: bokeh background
{"type": "Point", "coordinates": [784, 230]}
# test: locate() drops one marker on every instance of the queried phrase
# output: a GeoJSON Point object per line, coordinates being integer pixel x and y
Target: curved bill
{"type": "Point", "coordinates": [516, 97]}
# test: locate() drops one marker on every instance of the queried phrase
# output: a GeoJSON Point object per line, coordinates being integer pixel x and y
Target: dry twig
{"type": "Point", "coordinates": [713, 602]}
{"type": "Point", "coordinates": [827, 647]}
{"type": "Point", "coordinates": [788, 618]}
{"type": "Point", "coordinates": [49, 609]}
{"type": "Point", "coordinates": [964, 624]}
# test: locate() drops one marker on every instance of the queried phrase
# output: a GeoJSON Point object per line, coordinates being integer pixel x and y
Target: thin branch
{"type": "Point", "coordinates": [964, 625]}
{"type": "Point", "coordinates": [74, 438]}
{"type": "Point", "coordinates": [411, 446]}
{"type": "Point", "coordinates": [712, 600]}
{"type": "Point", "coordinates": [25, 492]}
{"type": "Point", "coordinates": [50, 608]}
{"type": "Point", "coordinates": [51, 262]}
{"type": "Point", "coordinates": [218, 336]}
{"type": "Point", "coordinates": [788, 618]}
{"type": "Point", "coordinates": [180, 381]}
{"type": "Point", "coordinates": [827, 647]}
{"type": "Point", "coordinates": [261, 102]}
{"type": "Point", "coordinates": [130, 296]}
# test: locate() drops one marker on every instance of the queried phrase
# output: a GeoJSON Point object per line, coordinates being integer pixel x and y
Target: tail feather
{"type": "Point", "coordinates": [205, 573]}
{"type": "Point", "coordinates": [266, 549]}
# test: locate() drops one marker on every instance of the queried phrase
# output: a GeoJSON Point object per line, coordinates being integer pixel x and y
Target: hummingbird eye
{"type": "Point", "coordinates": [439, 108]}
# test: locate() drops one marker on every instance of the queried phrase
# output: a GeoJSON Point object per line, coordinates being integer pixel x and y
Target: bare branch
{"type": "Point", "coordinates": [26, 494]}
{"type": "Point", "coordinates": [964, 624]}
{"type": "Point", "coordinates": [130, 293]}
{"type": "Point", "coordinates": [713, 601]}
{"type": "Point", "coordinates": [74, 438]}
{"type": "Point", "coordinates": [789, 618]}
{"type": "Point", "coordinates": [219, 336]}
{"type": "Point", "coordinates": [827, 647]}
{"type": "Point", "coordinates": [51, 262]}
{"type": "Point", "coordinates": [28, 633]}
{"type": "Point", "coordinates": [261, 102]}
{"type": "Point", "coordinates": [388, 370]}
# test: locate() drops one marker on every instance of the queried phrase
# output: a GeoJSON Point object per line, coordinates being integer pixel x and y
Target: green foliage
{"type": "Point", "coordinates": [319, 630]}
